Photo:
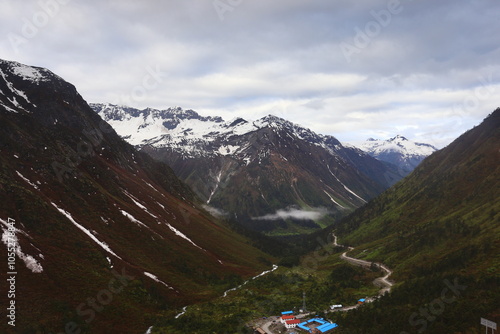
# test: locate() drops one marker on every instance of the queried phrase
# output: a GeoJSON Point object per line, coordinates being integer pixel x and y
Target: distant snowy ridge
{"type": "Point", "coordinates": [194, 135]}
{"type": "Point", "coordinates": [397, 144]}
{"type": "Point", "coordinates": [149, 126]}
{"type": "Point", "coordinates": [176, 128]}
{"type": "Point", "coordinates": [400, 151]}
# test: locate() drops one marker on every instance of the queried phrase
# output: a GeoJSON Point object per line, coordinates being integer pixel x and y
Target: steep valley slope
{"type": "Point", "coordinates": [104, 237]}
{"type": "Point", "coordinates": [439, 230]}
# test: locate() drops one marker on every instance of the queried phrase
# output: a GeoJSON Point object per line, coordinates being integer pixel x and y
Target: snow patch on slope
{"type": "Point", "coordinates": [10, 239]}
{"type": "Point", "coordinates": [137, 221]}
{"type": "Point", "coordinates": [156, 279]}
{"type": "Point", "coordinates": [27, 181]}
{"type": "Point", "coordinates": [333, 200]}
{"type": "Point", "coordinates": [184, 310]}
{"type": "Point", "coordinates": [102, 244]}
{"type": "Point", "coordinates": [136, 202]}
{"type": "Point", "coordinates": [183, 236]}
{"type": "Point", "coordinates": [16, 91]}
{"type": "Point", "coordinates": [345, 187]}
{"type": "Point", "coordinates": [28, 73]}
{"type": "Point", "coordinates": [352, 192]}
{"type": "Point", "coordinates": [228, 149]}
{"type": "Point", "coordinates": [133, 219]}
{"type": "Point", "coordinates": [215, 188]}
{"type": "Point", "coordinates": [110, 263]}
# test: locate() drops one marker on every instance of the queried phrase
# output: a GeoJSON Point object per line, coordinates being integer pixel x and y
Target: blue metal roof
{"type": "Point", "coordinates": [322, 322]}
{"type": "Point", "coordinates": [287, 312]}
{"type": "Point", "coordinates": [303, 326]}
{"type": "Point", "coordinates": [326, 327]}
{"type": "Point", "coordinates": [362, 300]}
{"type": "Point", "coordinates": [318, 320]}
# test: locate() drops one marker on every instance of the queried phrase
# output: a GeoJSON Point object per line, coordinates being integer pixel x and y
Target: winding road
{"type": "Point", "coordinates": [382, 282]}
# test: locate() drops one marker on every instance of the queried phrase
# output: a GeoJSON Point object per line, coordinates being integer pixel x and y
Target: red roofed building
{"type": "Point", "coordinates": [292, 323]}
{"type": "Point", "coordinates": [286, 318]}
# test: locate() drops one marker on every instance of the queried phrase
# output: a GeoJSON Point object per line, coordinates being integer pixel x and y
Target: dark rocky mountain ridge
{"type": "Point", "coordinates": [88, 208]}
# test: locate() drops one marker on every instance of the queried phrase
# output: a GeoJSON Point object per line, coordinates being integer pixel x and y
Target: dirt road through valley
{"type": "Point", "coordinates": [382, 282]}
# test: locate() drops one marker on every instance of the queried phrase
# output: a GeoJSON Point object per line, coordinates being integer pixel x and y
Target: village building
{"type": "Point", "coordinates": [317, 326]}
{"type": "Point", "coordinates": [292, 323]}
{"type": "Point", "coordinates": [313, 326]}
{"type": "Point", "coordinates": [285, 318]}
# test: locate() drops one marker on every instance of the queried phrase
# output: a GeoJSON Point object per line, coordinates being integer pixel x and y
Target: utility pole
{"type": "Point", "coordinates": [304, 310]}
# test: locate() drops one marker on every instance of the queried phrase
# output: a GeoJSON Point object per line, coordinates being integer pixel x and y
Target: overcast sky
{"type": "Point", "coordinates": [425, 69]}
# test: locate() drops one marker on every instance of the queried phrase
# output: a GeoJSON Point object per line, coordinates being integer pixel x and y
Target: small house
{"type": "Point", "coordinates": [285, 318]}
{"type": "Point", "coordinates": [292, 323]}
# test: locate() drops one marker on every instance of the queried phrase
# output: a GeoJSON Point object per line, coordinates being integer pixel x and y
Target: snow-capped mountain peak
{"type": "Point", "coordinates": [29, 73]}
{"type": "Point", "coordinates": [273, 120]}
{"type": "Point", "coordinates": [398, 138]}
{"type": "Point", "coordinates": [398, 150]}
{"type": "Point", "coordinates": [187, 131]}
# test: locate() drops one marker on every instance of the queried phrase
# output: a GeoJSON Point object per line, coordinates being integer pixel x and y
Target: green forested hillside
{"type": "Point", "coordinates": [439, 228]}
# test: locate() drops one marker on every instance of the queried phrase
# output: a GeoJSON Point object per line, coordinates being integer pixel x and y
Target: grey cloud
{"type": "Point", "coordinates": [215, 211]}
{"type": "Point", "coordinates": [265, 53]}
